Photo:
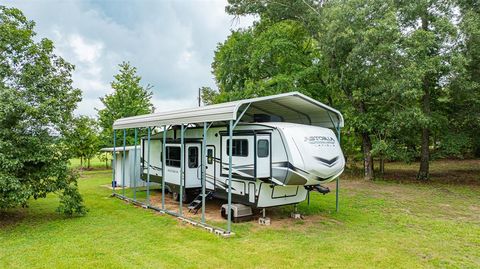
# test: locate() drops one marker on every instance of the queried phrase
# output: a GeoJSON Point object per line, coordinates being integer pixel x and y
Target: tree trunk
{"type": "Point", "coordinates": [367, 156]}
{"type": "Point", "coordinates": [367, 148]}
{"type": "Point", "coordinates": [81, 162]}
{"type": "Point", "coordinates": [88, 163]}
{"type": "Point", "coordinates": [382, 165]}
{"type": "Point", "coordinates": [423, 172]}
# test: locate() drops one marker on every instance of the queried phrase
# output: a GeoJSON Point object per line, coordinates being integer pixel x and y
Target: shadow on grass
{"type": "Point", "coordinates": [454, 176]}
{"type": "Point", "coordinates": [455, 172]}
{"type": "Point", "coordinates": [14, 217]}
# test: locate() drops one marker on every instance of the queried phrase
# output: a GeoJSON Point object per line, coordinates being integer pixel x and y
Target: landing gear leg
{"type": "Point", "coordinates": [295, 214]}
{"type": "Point", "coordinates": [264, 220]}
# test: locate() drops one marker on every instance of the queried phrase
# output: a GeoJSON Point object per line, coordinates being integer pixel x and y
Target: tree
{"type": "Point", "coordinates": [128, 99]}
{"type": "Point", "coordinates": [464, 111]}
{"type": "Point", "coordinates": [207, 95]}
{"type": "Point", "coordinates": [266, 59]}
{"type": "Point", "coordinates": [430, 48]}
{"type": "Point", "coordinates": [405, 74]}
{"type": "Point", "coordinates": [83, 139]}
{"type": "Point", "coordinates": [341, 53]}
{"type": "Point", "coordinates": [37, 100]}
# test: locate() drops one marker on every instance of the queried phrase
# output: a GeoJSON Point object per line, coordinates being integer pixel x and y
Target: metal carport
{"type": "Point", "coordinates": [289, 107]}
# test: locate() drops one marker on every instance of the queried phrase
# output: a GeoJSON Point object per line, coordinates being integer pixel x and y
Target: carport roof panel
{"type": "Point", "coordinates": [290, 107]}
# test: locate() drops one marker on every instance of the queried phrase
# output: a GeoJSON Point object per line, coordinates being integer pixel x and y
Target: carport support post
{"type": "Point", "coordinates": [163, 165]}
{"type": "Point", "coordinates": [204, 172]}
{"type": "Point", "coordinates": [135, 166]}
{"type": "Point", "coordinates": [230, 146]}
{"type": "Point", "coordinates": [148, 167]}
{"type": "Point", "coordinates": [182, 162]}
{"type": "Point", "coordinates": [123, 160]}
{"type": "Point", "coordinates": [337, 189]}
{"type": "Point", "coordinates": [114, 160]}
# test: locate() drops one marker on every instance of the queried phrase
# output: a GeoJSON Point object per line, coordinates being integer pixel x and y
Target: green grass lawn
{"type": "Point", "coordinates": [381, 224]}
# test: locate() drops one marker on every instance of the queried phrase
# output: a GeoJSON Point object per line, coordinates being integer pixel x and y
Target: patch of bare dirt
{"type": "Point", "coordinates": [442, 171]}
{"type": "Point", "coordinates": [279, 217]}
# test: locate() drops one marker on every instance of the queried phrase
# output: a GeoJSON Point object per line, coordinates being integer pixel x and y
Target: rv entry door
{"type": "Point", "coordinates": [211, 168]}
{"type": "Point", "coordinates": [172, 164]}
{"type": "Point", "coordinates": [263, 158]}
{"type": "Point", "coordinates": [192, 166]}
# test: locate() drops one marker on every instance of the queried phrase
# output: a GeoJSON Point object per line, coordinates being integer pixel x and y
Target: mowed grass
{"type": "Point", "coordinates": [95, 163]}
{"type": "Point", "coordinates": [382, 224]}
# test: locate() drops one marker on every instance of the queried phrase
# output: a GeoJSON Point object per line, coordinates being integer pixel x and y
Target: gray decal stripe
{"type": "Point", "coordinates": [219, 183]}
{"type": "Point", "coordinates": [326, 161]}
{"type": "Point", "coordinates": [289, 166]}
{"type": "Point", "coordinates": [249, 172]}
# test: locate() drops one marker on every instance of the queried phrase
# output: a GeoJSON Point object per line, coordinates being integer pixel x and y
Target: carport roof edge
{"type": "Point", "coordinates": [290, 107]}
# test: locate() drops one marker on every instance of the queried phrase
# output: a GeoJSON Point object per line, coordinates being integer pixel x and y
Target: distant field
{"type": "Point", "coordinates": [95, 163]}
{"type": "Point", "coordinates": [382, 224]}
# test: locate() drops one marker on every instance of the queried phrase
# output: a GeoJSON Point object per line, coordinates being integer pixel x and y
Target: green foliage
{"type": "Point", "coordinates": [405, 74]}
{"type": "Point", "coordinates": [266, 59]}
{"type": "Point", "coordinates": [83, 139]}
{"type": "Point", "coordinates": [454, 144]}
{"type": "Point", "coordinates": [128, 99]}
{"type": "Point", "coordinates": [36, 104]}
{"type": "Point", "coordinates": [464, 112]}
{"type": "Point", "coordinates": [71, 202]}
{"type": "Point", "coordinates": [207, 95]}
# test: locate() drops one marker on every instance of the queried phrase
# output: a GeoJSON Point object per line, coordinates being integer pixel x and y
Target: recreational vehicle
{"type": "Point", "coordinates": [273, 163]}
{"type": "Point", "coordinates": [282, 147]}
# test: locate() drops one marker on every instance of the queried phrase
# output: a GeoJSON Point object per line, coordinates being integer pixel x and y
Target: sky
{"type": "Point", "coordinates": [171, 43]}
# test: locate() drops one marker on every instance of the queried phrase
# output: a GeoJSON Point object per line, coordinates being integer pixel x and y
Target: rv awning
{"type": "Point", "coordinates": [288, 107]}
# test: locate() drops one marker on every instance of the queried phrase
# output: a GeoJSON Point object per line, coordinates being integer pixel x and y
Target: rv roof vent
{"type": "Point", "coordinates": [266, 118]}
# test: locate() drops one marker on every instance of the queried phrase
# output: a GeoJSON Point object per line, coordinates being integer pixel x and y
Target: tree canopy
{"type": "Point", "coordinates": [128, 99]}
{"type": "Point", "coordinates": [400, 71]}
{"type": "Point", "coordinates": [37, 100]}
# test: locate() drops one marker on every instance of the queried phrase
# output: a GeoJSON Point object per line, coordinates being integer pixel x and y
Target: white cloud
{"type": "Point", "coordinates": [85, 52]}
{"type": "Point", "coordinates": [171, 43]}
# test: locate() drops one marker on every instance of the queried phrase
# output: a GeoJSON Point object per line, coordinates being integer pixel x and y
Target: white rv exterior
{"type": "Point", "coordinates": [272, 162]}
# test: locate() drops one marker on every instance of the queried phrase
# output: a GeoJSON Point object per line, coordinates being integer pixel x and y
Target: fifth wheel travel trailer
{"type": "Point", "coordinates": [273, 163]}
{"type": "Point", "coordinates": [282, 147]}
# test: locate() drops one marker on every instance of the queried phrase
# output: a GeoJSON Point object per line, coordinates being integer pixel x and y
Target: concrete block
{"type": "Point", "coordinates": [264, 221]}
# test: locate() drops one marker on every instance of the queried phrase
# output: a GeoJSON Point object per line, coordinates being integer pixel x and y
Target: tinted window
{"type": "Point", "coordinates": [210, 156]}
{"type": "Point", "coordinates": [262, 148]}
{"type": "Point", "coordinates": [173, 156]}
{"type": "Point", "coordinates": [239, 147]}
{"type": "Point", "coordinates": [192, 157]}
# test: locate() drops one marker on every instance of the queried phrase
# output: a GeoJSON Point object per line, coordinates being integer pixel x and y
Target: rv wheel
{"type": "Point", "coordinates": [176, 196]}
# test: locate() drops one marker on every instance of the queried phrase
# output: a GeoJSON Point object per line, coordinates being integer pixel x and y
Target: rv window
{"type": "Point", "coordinates": [192, 157]}
{"type": "Point", "coordinates": [173, 156]}
{"type": "Point", "coordinates": [262, 148]}
{"type": "Point", "coordinates": [210, 156]}
{"type": "Point", "coordinates": [239, 147]}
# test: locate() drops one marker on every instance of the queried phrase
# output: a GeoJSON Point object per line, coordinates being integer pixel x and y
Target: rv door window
{"type": "Point", "coordinates": [239, 147]}
{"type": "Point", "coordinates": [210, 156]}
{"type": "Point", "coordinates": [173, 156]}
{"type": "Point", "coordinates": [192, 157]}
{"type": "Point", "coordinates": [263, 148]}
